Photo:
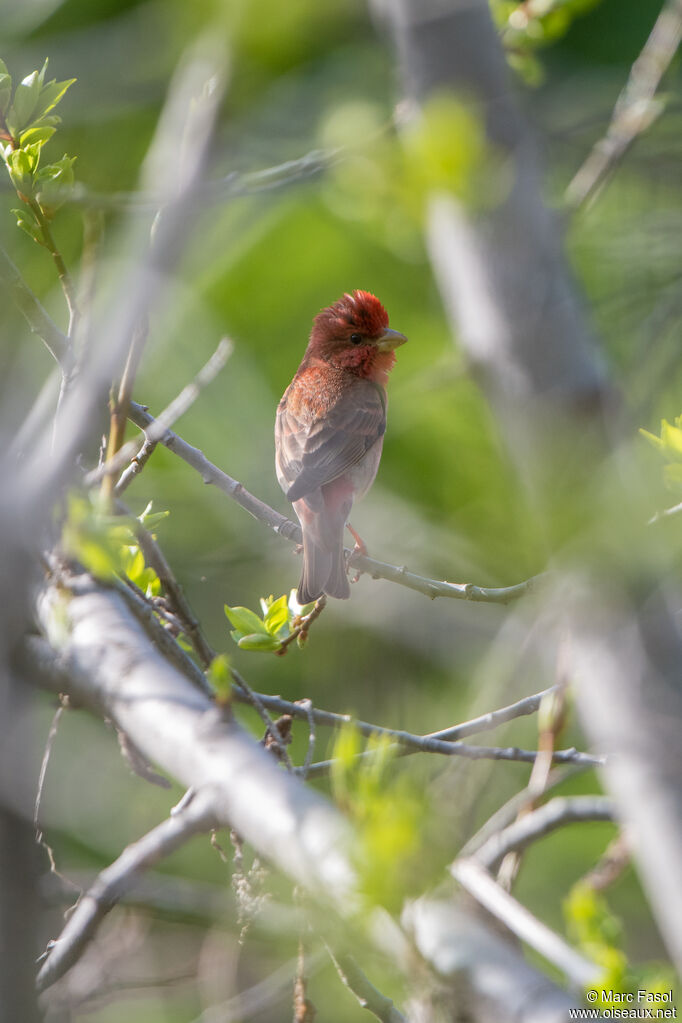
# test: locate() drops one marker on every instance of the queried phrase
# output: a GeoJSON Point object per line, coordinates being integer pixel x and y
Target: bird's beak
{"type": "Point", "coordinates": [389, 340]}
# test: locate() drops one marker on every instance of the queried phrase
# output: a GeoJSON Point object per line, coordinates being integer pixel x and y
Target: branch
{"type": "Point", "coordinates": [435, 742]}
{"type": "Point", "coordinates": [40, 322]}
{"type": "Point", "coordinates": [62, 272]}
{"type": "Point", "coordinates": [635, 108]}
{"type": "Point", "coordinates": [478, 882]}
{"type": "Point", "coordinates": [505, 987]}
{"type": "Point", "coordinates": [159, 427]}
{"type": "Point", "coordinates": [422, 744]}
{"type": "Point", "coordinates": [528, 705]}
{"type": "Point", "coordinates": [116, 880]}
{"type": "Point", "coordinates": [541, 822]}
{"type": "Point", "coordinates": [232, 186]}
{"type": "Point", "coordinates": [284, 527]}
{"type": "Point", "coordinates": [367, 995]}
{"type": "Point", "coordinates": [178, 727]}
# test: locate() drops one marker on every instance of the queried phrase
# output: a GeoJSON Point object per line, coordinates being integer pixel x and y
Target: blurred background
{"type": "Point", "coordinates": [304, 77]}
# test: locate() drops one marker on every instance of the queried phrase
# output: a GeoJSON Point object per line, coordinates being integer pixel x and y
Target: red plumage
{"type": "Point", "coordinates": [329, 431]}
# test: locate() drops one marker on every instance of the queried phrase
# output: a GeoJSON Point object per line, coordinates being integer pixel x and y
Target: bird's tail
{"type": "Point", "coordinates": [324, 571]}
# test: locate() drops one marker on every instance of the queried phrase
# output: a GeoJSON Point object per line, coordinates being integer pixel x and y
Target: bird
{"type": "Point", "coordinates": [329, 432]}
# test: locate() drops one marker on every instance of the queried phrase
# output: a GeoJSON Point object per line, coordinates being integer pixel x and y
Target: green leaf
{"type": "Point", "coordinates": [20, 170]}
{"type": "Point", "coordinates": [257, 641]}
{"type": "Point", "coordinates": [41, 76]}
{"type": "Point", "coordinates": [277, 615]}
{"type": "Point", "coordinates": [3, 68]}
{"type": "Point", "coordinates": [36, 134]}
{"type": "Point", "coordinates": [244, 620]}
{"type": "Point", "coordinates": [27, 222]}
{"type": "Point", "coordinates": [5, 91]}
{"type": "Point", "coordinates": [25, 100]}
{"type": "Point", "coordinates": [220, 678]}
{"type": "Point", "coordinates": [53, 184]}
{"type": "Point", "coordinates": [50, 95]}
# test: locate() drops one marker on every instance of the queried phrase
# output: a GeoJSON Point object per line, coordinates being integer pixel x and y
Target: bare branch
{"type": "Point", "coordinates": [210, 473]}
{"type": "Point", "coordinates": [233, 186]}
{"type": "Point", "coordinates": [116, 880]}
{"type": "Point", "coordinates": [422, 744]}
{"type": "Point", "coordinates": [479, 883]}
{"type": "Point", "coordinates": [541, 822]}
{"type": "Point", "coordinates": [368, 996]}
{"type": "Point", "coordinates": [170, 414]}
{"type": "Point", "coordinates": [635, 108]}
{"type": "Point", "coordinates": [41, 324]}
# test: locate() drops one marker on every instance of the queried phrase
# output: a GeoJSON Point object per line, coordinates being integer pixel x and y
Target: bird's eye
{"type": "Point", "coordinates": [356, 339]}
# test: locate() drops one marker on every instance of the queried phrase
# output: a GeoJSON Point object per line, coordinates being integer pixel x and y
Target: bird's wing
{"type": "Point", "coordinates": [313, 453]}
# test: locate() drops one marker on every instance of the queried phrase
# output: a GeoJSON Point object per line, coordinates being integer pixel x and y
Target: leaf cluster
{"type": "Point", "coordinates": [598, 933]}
{"type": "Point", "coordinates": [107, 545]}
{"type": "Point", "coordinates": [669, 446]}
{"type": "Point", "coordinates": [26, 124]}
{"type": "Point", "coordinates": [279, 620]}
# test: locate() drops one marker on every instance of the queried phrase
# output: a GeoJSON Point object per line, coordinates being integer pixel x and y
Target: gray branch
{"type": "Point", "coordinates": [284, 527]}
{"type": "Point", "coordinates": [541, 822]}
{"type": "Point", "coordinates": [176, 726]}
{"type": "Point", "coordinates": [505, 988]}
{"type": "Point", "coordinates": [114, 882]}
{"type": "Point", "coordinates": [551, 946]}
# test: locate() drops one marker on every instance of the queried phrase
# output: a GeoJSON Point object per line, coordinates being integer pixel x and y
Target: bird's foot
{"type": "Point", "coordinates": [359, 548]}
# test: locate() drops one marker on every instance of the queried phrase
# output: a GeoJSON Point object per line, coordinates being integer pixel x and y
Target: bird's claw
{"type": "Point", "coordinates": [359, 548]}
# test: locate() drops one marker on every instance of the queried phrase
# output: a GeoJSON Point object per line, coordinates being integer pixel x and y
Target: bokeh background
{"type": "Point", "coordinates": [448, 501]}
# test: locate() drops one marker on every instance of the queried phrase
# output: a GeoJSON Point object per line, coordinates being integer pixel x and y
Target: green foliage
{"type": "Point", "coordinates": [25, 126]}
{"type": "Point", "coordinates": [393, 856]}
{"type": "Point", "coordinates": [598, 933]}
{"type": "Point", "coordinates": [387, 178]}
{"type": "Point", "coordinates": [669, 446]}
{"type": "Point", "coordinates": [219, 676]}
{"type": "Point", "coordinates": [106, 545]}
{"type": "Point", "coordinates": [525, 27]}
{"type": "Point", "coordinates": [266, 634]}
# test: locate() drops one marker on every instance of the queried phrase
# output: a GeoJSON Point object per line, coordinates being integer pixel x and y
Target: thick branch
{"type": "Point", "coordinates": [485, 889]}
{"type": "Point", "coordinates": [178, 727]}
{"type": "Point", "coordinates": [506, 988]}
{"type": "Point", "coordinates": [210, 473]}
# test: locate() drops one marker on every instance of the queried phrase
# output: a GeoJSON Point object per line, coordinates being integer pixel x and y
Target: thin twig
{"type": "Point", "coordinates": [310, 752]}
{"type": "Point", "coordinates": [326, 717]}
{"type": "Point", "coordinates": [40, 322]}
{"type": "Point", "coordinates": [137, 464]}
{"type": "Point", "coordinates": [368, 996]}
{"type": "Point", "coordinates": [635, 107]}
{"type": "Point", "coordinates": [460, 749]}
{"type": "Point", "coordinates": [156, 559]}
{"type": "Point", "coordinates": [158, 427]}
{"type": "Point", "coordinates": [283, 526]}
{"type": "Point", "coordinates": [62, 272]}
{"type": "Point", "coordinates": [113, 882]}
{"type": "Point", "coordinates": [40, 837]}
{"type": "Point", "coordinates": [232, 186]}
{"type": "Point", "coordinates": [256, 701]}
{"type": "Point", "coordinates": [478, 882]}
{"type": "Point", "coordinates": [300, 632]}
{"type": "Point", "coordinates": [541, 822]}
{"type": "Point", "coordinates": [119, 405]}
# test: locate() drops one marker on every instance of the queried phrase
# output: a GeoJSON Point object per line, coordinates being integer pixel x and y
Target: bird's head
{"type": "Point", "coordinates": [354, 334]}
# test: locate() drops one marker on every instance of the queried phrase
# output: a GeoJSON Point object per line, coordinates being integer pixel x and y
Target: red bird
{"type": "Point", "coordinates": [329, 431]}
